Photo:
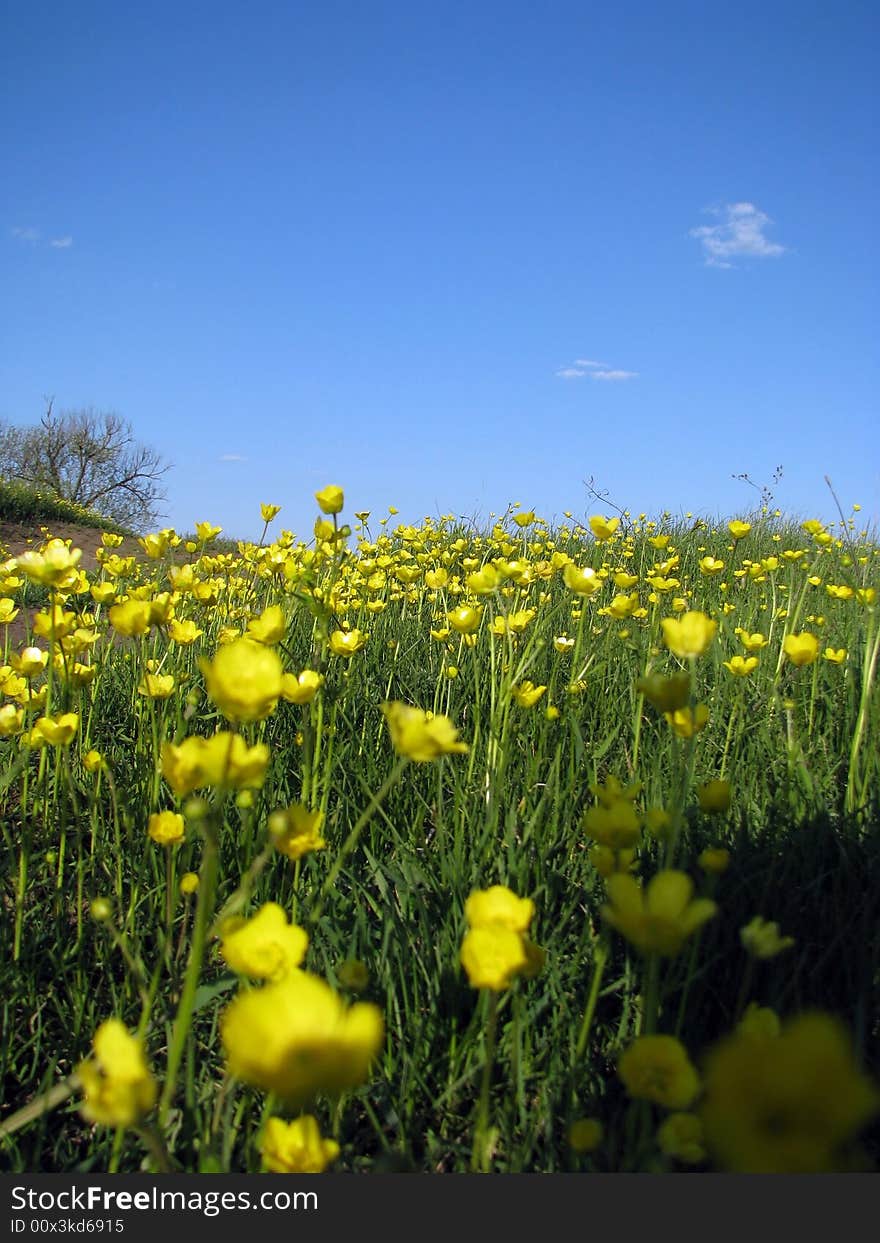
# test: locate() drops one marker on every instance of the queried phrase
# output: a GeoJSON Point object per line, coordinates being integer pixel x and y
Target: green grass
{"type": "Point", "coordinates": [21, 503]}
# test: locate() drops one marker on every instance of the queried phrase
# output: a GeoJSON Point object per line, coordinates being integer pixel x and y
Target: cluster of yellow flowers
{"type": "Point", "coordinates": [771, 1096]}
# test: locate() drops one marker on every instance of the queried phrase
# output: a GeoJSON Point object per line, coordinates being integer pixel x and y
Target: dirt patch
{"type": "Point", "coordinates": [18, 537]}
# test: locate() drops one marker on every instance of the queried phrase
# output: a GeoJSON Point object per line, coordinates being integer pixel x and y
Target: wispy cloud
{"type": "Point", "coordinates": [595, 370]}
{"type": "Point", "coordinates": [614, 375]}
{"type": "Point", "coordinates": [62, 243]}
{"type": "Point", "coordinates": [231, 457]}
{"type": "Point", "coordinates": [26, 235]}
{"type": "Point", "coordinates": [739, 234]}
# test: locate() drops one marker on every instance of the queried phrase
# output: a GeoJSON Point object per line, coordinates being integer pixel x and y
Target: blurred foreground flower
{"type": "Point", "coordinates": [297, 1038]}
{"type": "Point", "coordinates": [786, 1104]}
{"type": "Point", "coordinates": [420, 735]}
{"type": "Point", "coordinates": [117, 1084]}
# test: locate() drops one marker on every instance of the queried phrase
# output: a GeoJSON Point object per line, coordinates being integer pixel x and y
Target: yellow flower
{"type": "Point", "coordinates": [499, 907]}
{"type": "Point", "coordinates": [616, 824]}
{"type": "Point", "coordinates": [268, 512]}
{"type": "Point", "coordinates": [527, 694]}
{"type": "Point", "coordinates": [612, 791]}
{"type": "Point", "coordinates": [167, 828]}
{"type": "Point", "coordinates": [206, 532]}
{"type": "Point", "coordinates": [513, 623]}
{"type": "Point", "coordinates": [465, 619]}
{"type": "Point", "coordinates": [493, 956]}
{"type": "Point", "coordinates": [786, 1105]}
{"type": "Point", "coordinates": [495, 949]}
{"type": "Point", "coordinates": [244, 680]}
{"type": "Point", "coordinates": [622, 607]}
{"type": "Point", "coordinates": [836, 655]}
{"type": "Point", "coordinates": [603, 528]}
{"type": "Point", "coordinates": [11, 720]}
{"type": "Point", "coordinates": [761, 938]}
{"type": "Point", "coordinates": [296, 831]}
{"type": "Point", "coordinates": [741, 666]}
{"type": "Point", "coordinates": [689, 635]}
{"type": "Point", "coordinates": [660, 919]}
{"type": "Point", "coordinates": [681, 1137]}
{"type": "Point", "coordinates": [265, 946]}
{"type": "Point", "coordinates": [30, 662]}
{"type": "Point", "coordinates": [420, 735]}
{"type": "Point", "coordinates": [759, 1022]}
{"type": "Point", "coordinates": [714, 859]}
{"type": "Point", "coordinates": [131, 617]}
{"type": "Point", "coordinates": [302, 688]}
{"type": "Point", "coordinates": [801, 649]}
{"type": "Point", "coordinates": [484, 581]}
{"type": "Point", "coordinates": [583, 582]}
{"type": "Point", "coordinates": [585, 1135]}
{"type": "Point", "coordinates": [54, 566]}
{"type": "Point", "coordinates": [154, 545]}
{"type": "Point", "coordinates": [189, 883]}
{"type": "Point", "coordinates": [8, 611]}
{"type": "Point", "coordinates": [296, 1038]}
{"type": "Point", "coordinates": [739, 529]}
{"type": "Point", "coordinates": [347, 642]}
{"type": "Point", "coordinates": [714, 797]}
{"type": "Point", "coordinates": [688, 721]}
{"type": "Point", "coordinates": [658, 1069]}
{"type": "Point", "coordinates": [330, 499]}
{"type": "Point", "coordinates": [221, 760]}
{"type": "Point", "coordinates": [710, 565]}
{"type": "Point", "coordinates": [184, 632]}
{"type": "Point", "coordinates": [665, 694]}
{"type": "Point", "coordinates": [296, 1147]}
{"type": "Point", "coordinates": [607, 861]}
{"type": "Point", "coordinates": [156, 685]}
{"type": "Point", "coordinates": [270, 627]}
{"type": "Point", "coordinates": [117, 1085]}
{"type": "Point", "coordinates": [436, 579]}
{"type": "Point", "coordinates": [57, 731]}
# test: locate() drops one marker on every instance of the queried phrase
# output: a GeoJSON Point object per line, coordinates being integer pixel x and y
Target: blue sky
{"type": "Point", "coordinates": [450, 255]}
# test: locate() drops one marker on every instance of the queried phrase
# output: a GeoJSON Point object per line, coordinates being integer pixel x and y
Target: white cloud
{"type": "Point", "coordinates": [61, 243]}
{"type": "Point", "coordinates": [739, 233]}
{"type": "Point", "coordinates": [26, 235]}
{"type": "Point", "coordinates": [231, 457]}
{"type": "Point", "coordinates": [598, 371]}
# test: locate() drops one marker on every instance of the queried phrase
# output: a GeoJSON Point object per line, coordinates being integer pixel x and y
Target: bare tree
{"type": "Point", "coordinates": [91, 459]}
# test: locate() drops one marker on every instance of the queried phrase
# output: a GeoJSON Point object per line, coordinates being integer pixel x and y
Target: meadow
{"type": "Point", "coordinates": [441, 849]}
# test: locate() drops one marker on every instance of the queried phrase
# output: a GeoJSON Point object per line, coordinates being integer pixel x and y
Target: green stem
{"type": "Point", "coordinates": [599, 961]}
{"type": "Point", "coordinates": [204, 908]}
{"type": "Point", "coordinates": [480, 1155]}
